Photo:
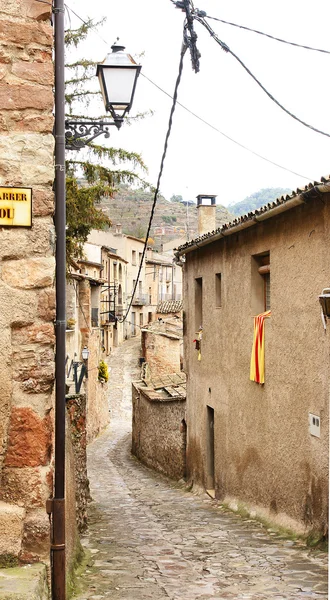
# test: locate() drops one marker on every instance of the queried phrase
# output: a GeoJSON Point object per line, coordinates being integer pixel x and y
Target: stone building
{"type": "Point", "coordinates": [113, 298]}
{"type": "Point", "coordinates": [163, 280]}
{"type": "Point", "coordinates": [161, 346]}
{"type": "Point", "coordinates": [84, 331]}
{"type": "Point", "coordinates": [27, 268]}
{"type": "Point", "coordinates": [159, 426]}
{"type": "Point", "coordinates": [265, 445]}
{"type": "Point", "coordinates": [130, 249]}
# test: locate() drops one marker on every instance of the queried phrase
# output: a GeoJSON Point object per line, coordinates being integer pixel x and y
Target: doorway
{"type": "Point", "coordinates": [210, 485]}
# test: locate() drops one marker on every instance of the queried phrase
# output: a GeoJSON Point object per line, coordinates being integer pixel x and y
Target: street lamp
{"type": "Point", "coordinates": [85, 353]}
{"type": "Point", "coordinates": [117, 76]}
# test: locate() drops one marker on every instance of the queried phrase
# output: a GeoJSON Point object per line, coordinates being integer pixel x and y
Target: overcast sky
{"type": "Point", "coordinates": [199, 159]}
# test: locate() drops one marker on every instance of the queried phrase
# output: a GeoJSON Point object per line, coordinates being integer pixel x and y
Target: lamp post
{"type": "Point", "coordinates": [65, 131]}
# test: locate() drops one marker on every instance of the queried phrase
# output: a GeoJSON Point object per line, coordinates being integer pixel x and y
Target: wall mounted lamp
{"type": "Point", "coordinates": [117, 77]}
{"type": "Point", "coordinates": [85, 353]}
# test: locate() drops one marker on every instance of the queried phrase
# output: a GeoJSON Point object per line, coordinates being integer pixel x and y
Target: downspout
{"type": "Point", "coordinates": [58, 503]}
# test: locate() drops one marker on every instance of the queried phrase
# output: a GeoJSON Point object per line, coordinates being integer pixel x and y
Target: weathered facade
{"type": "Point", "coordinates": [159, 426]}
{"type": "Point", "coordinates": [83, 330]}
{"type": "Point", "coordinates": [27, 268]}
{"type": "Point", "coordinates": [248, 442]}
{"type": "Point", "coordinates": [161, 346]}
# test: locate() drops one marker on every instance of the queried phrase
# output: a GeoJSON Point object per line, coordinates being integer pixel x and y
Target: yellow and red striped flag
{"type": "Point", "coordinates": [257, 368]}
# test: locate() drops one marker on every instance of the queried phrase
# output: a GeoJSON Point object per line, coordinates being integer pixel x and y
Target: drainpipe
{"type": "Point", "coordinates": [58, 503]}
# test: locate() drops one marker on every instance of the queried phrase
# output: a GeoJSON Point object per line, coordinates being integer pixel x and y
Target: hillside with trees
{"type": "Point", "coordinates": [172, 218]}
{"type": "Point", "coordinates": [260, 198]}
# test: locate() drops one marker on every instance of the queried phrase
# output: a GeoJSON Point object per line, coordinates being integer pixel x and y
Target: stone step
{"type": "Point", "coordinates": [24, 583]}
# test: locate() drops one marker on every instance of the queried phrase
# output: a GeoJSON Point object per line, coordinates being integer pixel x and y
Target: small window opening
{"type": "Point", "coordinates": [198, 303]}
{"type": "Point", "coordinates": [218, 290]}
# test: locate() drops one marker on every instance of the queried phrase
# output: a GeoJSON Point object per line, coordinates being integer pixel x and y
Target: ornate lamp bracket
{"type": "Point", "coordinates": [76, 131]}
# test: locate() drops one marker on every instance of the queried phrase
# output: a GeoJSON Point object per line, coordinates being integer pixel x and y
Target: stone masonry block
{"type": "Point", "coordinates": [34, 368]}
{"type": "Point", "coordinates": [26, 174]}
{"type": "Point", "coordinates": [42, 73]}
{"type": "Point", "coordinates": [22, 96]}
{"type": "Point", "coordinates": [36, 535]}
{"type": "Point", "coordinates": [26, 8]}
{"type": "Point", "coordinates": [27, 147]}
{"type": "Point", "coordinates": [29, 441]}
{"type": "Point", "coordinates": [29, 273]}
{"type": "Point", "coordinates": [28, 487]}
{"type": "Point", "coordinates": [18, 243]}
{"type": "Point", "coordinates": [22, 33]}
{"type": "Point", "coordinates": [38, 333]}
{"type": "Point", "coordinates": [11, 527]}
{"type": "Point", "coordinates": [43, 202]}
{"type": "Point", "coordinates": [46, 304]}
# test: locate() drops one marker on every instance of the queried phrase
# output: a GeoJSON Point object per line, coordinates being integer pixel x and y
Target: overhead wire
{"type": "Point", "coordinates": [272, 37]}
{"type": "Point", "coordinates": [228, 50]}
{"type": "Point", "coordinates": [168, 133]}
{"type": "Point", "coordinates": [225, 135]}
{"type": "Point", "coordinates": [203, 120]}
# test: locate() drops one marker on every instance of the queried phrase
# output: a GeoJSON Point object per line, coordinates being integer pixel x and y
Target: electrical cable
{"type": "Point", "coordinates": [272, 37]}
{"type": "Point", "coordinates": [227, 49]}
{"type": "Point", "coordinates": [175, 96]}
{"type": "Point", "coordinates": [224, 134]}
{"type": "Point", "coordinates": [203, 120]}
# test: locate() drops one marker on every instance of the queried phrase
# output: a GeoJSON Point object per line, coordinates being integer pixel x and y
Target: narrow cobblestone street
{"type": "Point", "coordinates": [151, 538]}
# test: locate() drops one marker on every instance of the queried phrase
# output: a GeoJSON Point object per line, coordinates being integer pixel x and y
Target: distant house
{"type": "Point", "coordinates": [265, 444]}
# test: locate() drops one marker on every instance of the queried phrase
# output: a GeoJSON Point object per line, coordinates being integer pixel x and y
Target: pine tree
{"type": "Point", "coordinates": [101, 169]}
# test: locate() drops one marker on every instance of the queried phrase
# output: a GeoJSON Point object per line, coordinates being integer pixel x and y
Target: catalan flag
{"type": "Point", "coordinates": [257, 368]}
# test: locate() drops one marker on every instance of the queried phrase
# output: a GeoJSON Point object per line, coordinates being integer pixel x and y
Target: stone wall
{"type": "Point", "coordinates": [159, 432]}
{"type": "Point", "coordinates": [27, 295]}
{"type": "Point", "coordinates": [76, 410]}
{"type": "Point", "coordinates": [161, 351]}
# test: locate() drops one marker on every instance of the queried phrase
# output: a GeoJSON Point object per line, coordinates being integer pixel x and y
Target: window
{"type": "Point", "coordinates": [149, 317]}
{"type": "Point", "coordinates": [218, 290]}
{"type": "Point", "coordinates": [198, 303]}
{"type": "Point", "coordinates": [133, 257]}
{"type": "Point", "coordinates": [260, 273]}
{"type": "Point", "coordinates": [141, 319]}
{"type": "Point", "coordinates": [140, 288]}
{"type": "Point", "coordinates": [140, 257]}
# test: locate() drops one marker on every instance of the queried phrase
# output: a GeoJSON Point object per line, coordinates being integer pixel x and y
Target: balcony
{"type": "Point", "coordinates": [140, 299]}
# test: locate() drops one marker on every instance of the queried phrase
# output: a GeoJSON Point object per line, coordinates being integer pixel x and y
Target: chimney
{"type": "Point", "coordinates": [119, 230]}
{"type": "Point", "coordinates": [206, 213]}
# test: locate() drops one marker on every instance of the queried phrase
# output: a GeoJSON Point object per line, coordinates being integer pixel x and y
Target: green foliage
{"type": "Point", "coordinates": [169, 219]}
{"type": "Point", "coordinates": [8, 561]}
{"type": "Point", "coordinates": [82, 215]}
{"type": "Point", "coordinates": [73, 37]}
{"type": "Point", "coordinates": [260, 198]}
{"type": "Point", "coordinates": [176, 198]}
{"type": "Point", "coordinates": [103, 371]}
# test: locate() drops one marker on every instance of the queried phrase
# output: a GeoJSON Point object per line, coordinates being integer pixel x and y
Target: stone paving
{"type": "Point", "coordinates": [151, 538]}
